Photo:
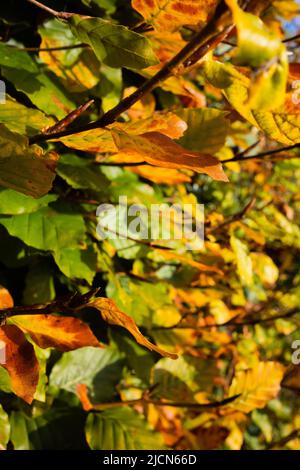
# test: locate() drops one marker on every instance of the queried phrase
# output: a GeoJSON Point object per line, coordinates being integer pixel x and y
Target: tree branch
{"type": "Point", "coordinates": [200, 44]}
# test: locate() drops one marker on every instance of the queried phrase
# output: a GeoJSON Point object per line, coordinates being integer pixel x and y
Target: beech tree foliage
{"type": "Point", "coordinates": [122, 344]}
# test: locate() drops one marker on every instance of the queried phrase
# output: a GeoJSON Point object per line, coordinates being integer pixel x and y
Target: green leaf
{"type": "Point", "coordinates": [98, 369]}
{"type": "Point", "coordinates": [113, 44]}
{"type": "Point", "coordinates": [201, 135]}
{"type": "Point", "coordinates": [39, 284]}
{"type": "Point", "coordinates": [53, 430]}
{"type": "Point", "coordinates": [80, 174]}
{"type": "Point", "coordinates": [20, 69]}
{"type": "Point", "coordinates": [23, 168]}
{"type": "Point", "coordinates": [120, 429]}
{"type": "Point", "coordinates": [180, 380]}
{"type": "Point", "coordinates": [21, 119]}
{"type": "Point", "coordinates": [77, 263]}
{"type": "Point", "coordinates": [47, 229]}
{"type": "Point", "coordinates": [4, 428]}
{"type": "Point", "coordinates": [14, 203]}
{"type": "Point", "coordinates": [5, 385]}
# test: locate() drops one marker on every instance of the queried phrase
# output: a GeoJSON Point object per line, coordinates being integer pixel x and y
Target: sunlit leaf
{"type": "Point", "coordinates": [256, 386]}
{"type": "Point", "coordinates": [112, 315]}
{"type": "Point", "coordinates": [53, 331]}
{"type": "Point", "coordinates": [20, 362]}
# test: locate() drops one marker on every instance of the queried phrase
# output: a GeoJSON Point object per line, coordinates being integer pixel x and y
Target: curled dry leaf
{"type": "Point", "coordinates": [112, 315]}
{"type": "Point", "coordinates": [159, 150]}
{"type": "Point", "coordinates": [52, 331]}
{"type": "Point", "coordinates": [20, 362]}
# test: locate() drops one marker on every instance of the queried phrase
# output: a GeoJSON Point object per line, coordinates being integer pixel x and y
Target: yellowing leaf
{"type": "Point", "coordinates": [112, 315]}
{"type": "Point", "coordinates": [20, 362]}
{"type": "Point", "coordinates": [173, 14]}
{"type": "Point", "coordinates": [282, 124]}
{"type": "Point", "coordinates": [159, 150]}
{"type": "Point", "coordinates": [23, 168]}
{"type": "Point", "coordinates": [256, 386]}
{"type": "Point", "coordinates": [243, 261]}
{"type": "Point", "coordinates": [100, 140]}
{"type": "Point", "coordinates": [52, 331]}
{"type": "Point", "coordinates": [77, 68]}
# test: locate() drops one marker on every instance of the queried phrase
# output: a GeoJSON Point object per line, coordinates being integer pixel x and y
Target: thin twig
{"type": "Point", "coordinates": [58, 14]}
{"type": "Point", "coordinates": [48, 49]}
{"type": "Point", "coordinates": [241, 158]}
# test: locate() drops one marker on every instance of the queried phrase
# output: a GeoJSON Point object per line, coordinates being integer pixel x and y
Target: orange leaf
{"type": "Point", "coordinates": [6, 300]}
{"type": "Point", "coordinates": [112, 315]}
{"type": "Point", "coordinates": [20, 362]}
{"type": "Point", "coordinates": [160, 175]}
{"type": "Point", "coordinates": [172, 14]}
{"type": "Point", "coordinates": [159, 150]}
{"type": "Point", "coordinates": [52, 331]}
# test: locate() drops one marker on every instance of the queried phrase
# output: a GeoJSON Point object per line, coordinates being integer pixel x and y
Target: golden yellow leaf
{"type": "Point", "coordinates": [100, 140]}
{"type": "Point", "coordinates": [52, 331]}
{"type": "Point", "coordinates": [173, 14]}
{"type": "Point", "coordinates": [159, 150]}
{"type": "Point", "coordinates": [112, 315]}
{"type": "Point", "coordinates": [20, 362]}
{"type": "Point", "coordinates": [256, 386]}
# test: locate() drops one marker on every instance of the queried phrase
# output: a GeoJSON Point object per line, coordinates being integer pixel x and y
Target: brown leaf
{"type": "Point", "coordinates": [112, 315]}
{"type": "Point", "coordinates": [159, 150]}
{"type": "Point", "coordinates": [212, 437]}
{"type": "Point", "coordinates": [291, 379]}
{"type": "Point", "coordinates": [21, 362]}
{"type": "Point", "coordinates": [52, 331]}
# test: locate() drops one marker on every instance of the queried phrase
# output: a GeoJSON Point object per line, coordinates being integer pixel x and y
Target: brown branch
{"type": "Point", "coordinates": [58, 14]}
{"type": "Point", "coordinates": [241, 158]}
{"type": "Point", "coordinates": [200, 44]}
